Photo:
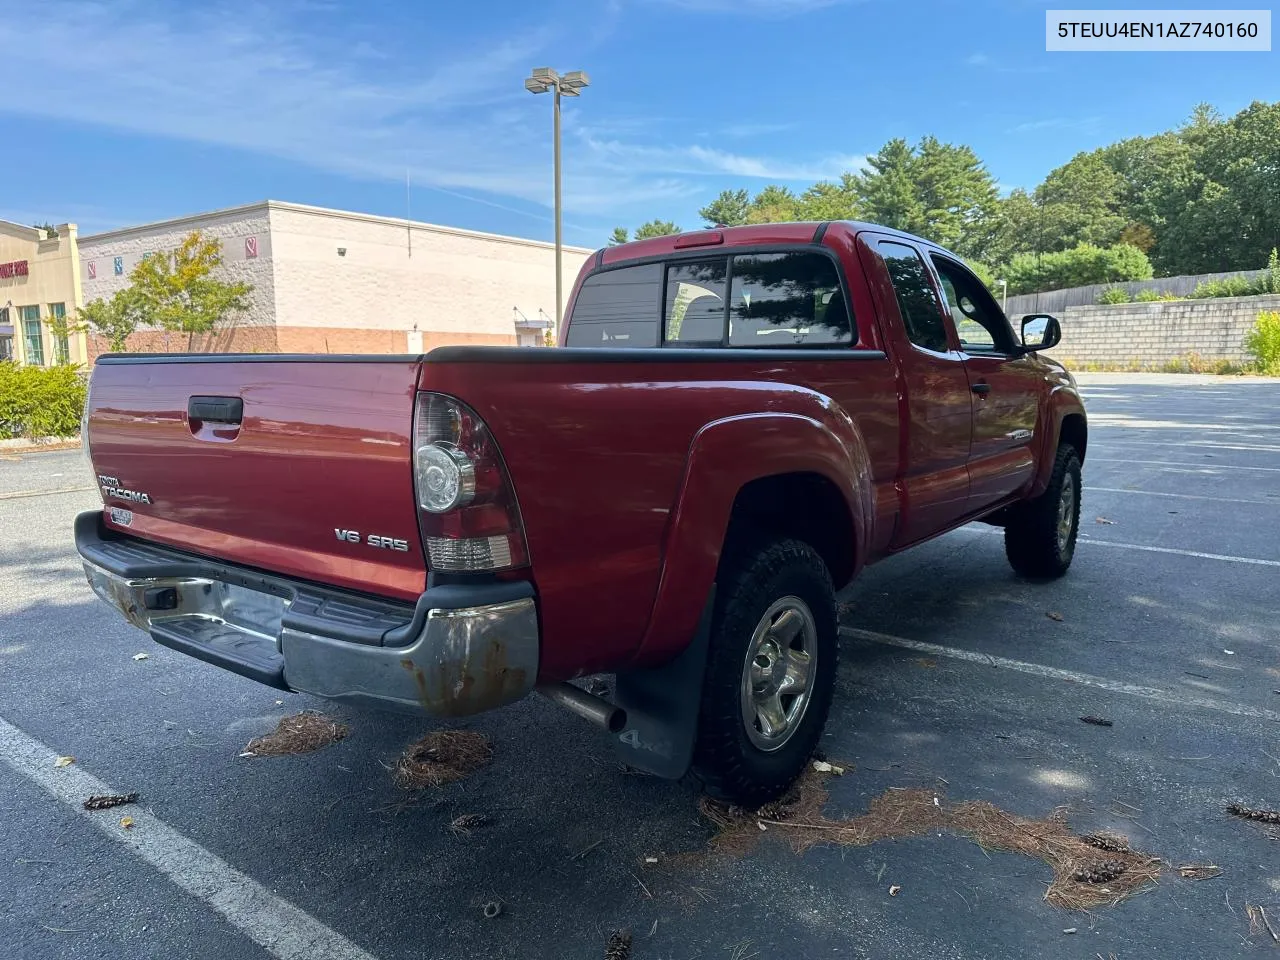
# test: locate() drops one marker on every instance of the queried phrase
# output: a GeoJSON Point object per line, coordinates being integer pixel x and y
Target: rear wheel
{"type": "Point", "coordinates": [1040, 535]}
{"type": "Point", "coordinates": [770, 672]}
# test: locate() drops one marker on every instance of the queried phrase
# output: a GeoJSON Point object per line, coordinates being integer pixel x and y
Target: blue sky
{"type": "Point", "coordinates": [116, 112]}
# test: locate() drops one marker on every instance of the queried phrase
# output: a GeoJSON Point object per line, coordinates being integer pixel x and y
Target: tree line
{"type": "Point", "coordinates": [1201, 198]}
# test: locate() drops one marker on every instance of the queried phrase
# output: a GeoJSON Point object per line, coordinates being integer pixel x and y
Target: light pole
{"type": "Point", "coordinates": [1004, 295]}
{"type": "Point", "coordinates": [570, 85]}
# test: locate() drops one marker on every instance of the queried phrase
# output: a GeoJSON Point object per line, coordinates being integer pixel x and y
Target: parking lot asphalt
{"type": "Point", "coordinates": [956, 676]}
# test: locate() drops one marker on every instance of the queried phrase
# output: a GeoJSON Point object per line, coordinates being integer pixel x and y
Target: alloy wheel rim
{"type": "Point", "coordinates": [1066, 515]}
{"type": "Point", "coordinates": [777, 676]}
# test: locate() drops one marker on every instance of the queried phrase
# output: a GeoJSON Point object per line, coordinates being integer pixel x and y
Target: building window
{"type": "Point", "coordinates": [117, 265]}
{"type": "Point", "coordinates": [61, 338]}
{"type": "Point", "coordinates": [31, 330]}
{"type": "Point", "coordinates": [6, 335]}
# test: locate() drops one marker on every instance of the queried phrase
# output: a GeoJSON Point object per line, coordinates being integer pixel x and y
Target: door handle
{"type": "Point", "coordinates": [229, 410]}
{"type": "Point", "coordinates": [981, 389]}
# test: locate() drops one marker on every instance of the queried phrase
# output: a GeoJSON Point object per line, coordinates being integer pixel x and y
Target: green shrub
{"type": "Point", "coordinates": [1113, 295]}
{"type": "Point", "coordinates": [1271, 281]}
{"type": "Point", "coordinates": [1264, 342]}
{"type": "Point", "coordinates": [1237, 286]}
{"type": "Point", "coordinates": [1084, 264]}
{"type": "Point", "coordinates": [40, 401]}
{"type": "Point", "coordinates": [984, 273]}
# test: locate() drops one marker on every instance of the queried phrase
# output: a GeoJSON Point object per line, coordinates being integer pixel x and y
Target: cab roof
{"type": "Point", "coordinates": [761, 234]}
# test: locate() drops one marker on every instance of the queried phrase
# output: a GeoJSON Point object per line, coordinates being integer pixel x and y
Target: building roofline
{"type": "Point", "coordinates": [269, 205]}
{"type": "Point", "coordinates": [21, 230]}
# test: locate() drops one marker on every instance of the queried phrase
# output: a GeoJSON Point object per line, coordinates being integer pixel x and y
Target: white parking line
{"type": "Point", "coordinates": [1190, 444]}
{"type": "Point", "coordinates": [276, 925]}
{"type": "Point", "coordinates": [983, 531]}
{"type": "Point", "coordinates": [1182, 553]}
{"type": "Point", "coordinates": [1053, 673]}
{"type": "Point", "coordinates": [18, 494]}
{"type": "Point", "coordinates": [1182, 496]}
{"type": "Point", "coordinates": [1182, 466]}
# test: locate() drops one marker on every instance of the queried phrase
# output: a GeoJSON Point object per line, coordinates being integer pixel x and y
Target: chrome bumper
{"type": "Point", "coordinates": [460, 659]}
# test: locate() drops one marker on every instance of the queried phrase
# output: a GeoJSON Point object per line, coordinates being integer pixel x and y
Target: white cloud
{"type": "Point", "coordinates": [1057, 123]}
{"type": "Point", "coordinates": [253, 78]}
{"type": "Point", "coordinates": [977, 60]}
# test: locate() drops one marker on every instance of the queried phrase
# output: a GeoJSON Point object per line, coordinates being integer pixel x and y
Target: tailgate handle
{"type": "Point", "coordinates": [216, 409]}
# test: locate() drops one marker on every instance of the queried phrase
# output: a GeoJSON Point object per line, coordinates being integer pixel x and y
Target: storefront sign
{"type": "Point", "coordinates": [15, 268]}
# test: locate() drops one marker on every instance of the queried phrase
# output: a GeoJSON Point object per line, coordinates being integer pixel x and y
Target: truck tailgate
{"type": "Point", "coordinates": [315, 481]}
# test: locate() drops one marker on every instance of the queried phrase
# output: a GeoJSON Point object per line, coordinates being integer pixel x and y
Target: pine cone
{"type": "Point", "coordinates": [619, 946]}
{"type": "Point", "coordinates": [772, 811]}
{"type": "Point", "coordinates": [108, 801]}
{"type": "Point", "coordinates": [1261, 816]}
{"type": "Point", "coordinates": [1103, 872]}
{"type": "Point", "coordinates": [467, 822]}
{"type": "Point", "coordinates": [1107, 842]}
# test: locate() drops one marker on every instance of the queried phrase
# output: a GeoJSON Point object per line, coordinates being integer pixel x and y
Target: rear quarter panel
{"type": "Point", "coordinates": [599, 453]}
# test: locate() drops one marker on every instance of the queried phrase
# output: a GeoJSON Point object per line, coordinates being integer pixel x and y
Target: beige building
{"type": "Point", "coordinates": [39, 283]}
{"type": "Point", "coordinates": [329, 281]}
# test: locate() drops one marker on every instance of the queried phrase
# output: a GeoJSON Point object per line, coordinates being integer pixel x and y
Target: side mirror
{"type": "Point", "coordinates": [1040, 331]}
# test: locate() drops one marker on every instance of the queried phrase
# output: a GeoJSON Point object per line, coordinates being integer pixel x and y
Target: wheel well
{"type": "Point", "coordinates": [1075, 432]}
{"type": "Point", "coordinates": [805, 506]}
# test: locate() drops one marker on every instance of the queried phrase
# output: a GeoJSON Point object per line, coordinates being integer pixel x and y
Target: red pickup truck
{"type": "Point", "coordinates": [735, 423]}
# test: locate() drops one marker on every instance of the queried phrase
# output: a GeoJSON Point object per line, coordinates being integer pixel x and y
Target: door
{"type": "Point", "coordinates": [1006, 387]}
{"type": "Point", "coordinates": [933, 388]}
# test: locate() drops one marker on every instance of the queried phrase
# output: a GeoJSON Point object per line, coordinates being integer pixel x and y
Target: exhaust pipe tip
{"type": "Point", "coordinates": [597, 710]}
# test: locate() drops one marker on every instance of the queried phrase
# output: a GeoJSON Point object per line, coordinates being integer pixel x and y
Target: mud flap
{"type": "Point", "coordinates": [662, 705]}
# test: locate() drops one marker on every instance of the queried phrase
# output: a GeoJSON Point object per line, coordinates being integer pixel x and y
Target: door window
{"type": "Point", "coordinates": [917, 300]}
{"type": "Point", "coordinates": [787, 299]}
{"type": "Point", "coordinates": [980, 323]}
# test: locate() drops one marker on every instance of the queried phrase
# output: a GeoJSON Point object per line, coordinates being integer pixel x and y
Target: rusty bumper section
{"type": "Point", "coordinates": [464, 661]}
{"type": "Point", "coordinates": [463, 649]}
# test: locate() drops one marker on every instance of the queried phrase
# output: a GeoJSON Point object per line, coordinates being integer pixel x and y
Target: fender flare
{"type": "Point", "coordinates": [724, 456]}
{"type": "Point", "coordinates": [1062, 401]}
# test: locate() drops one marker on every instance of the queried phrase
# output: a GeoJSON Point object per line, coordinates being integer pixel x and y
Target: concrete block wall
{"type": "Point", "coordinates": [1152, 334]}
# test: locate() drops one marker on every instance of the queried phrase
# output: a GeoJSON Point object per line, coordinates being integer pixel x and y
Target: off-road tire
{"type": "Point", "coordinates": [727, 765]}
{"type": "Point", "coordinates": [1032, 539]}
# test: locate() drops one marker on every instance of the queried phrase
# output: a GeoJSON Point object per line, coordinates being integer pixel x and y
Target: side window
{"type": "Point", "coordinates": [780, 299]}
{"type": "Point", "coordinates": [979, 321]}
{"type": "Point", "coordinates": [917, 301]}
{"type": "Point", "coordinates": [617, 308]}
{"type": "Point", "coordinates": [695, 307]}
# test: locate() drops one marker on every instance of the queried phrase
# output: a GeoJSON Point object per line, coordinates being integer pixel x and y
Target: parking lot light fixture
{"type": "Point", "coordinates": [542, 80]}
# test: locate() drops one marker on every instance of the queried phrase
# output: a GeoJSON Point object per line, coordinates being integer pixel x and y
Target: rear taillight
{"type": "Point", "coordinates": [466, 506]}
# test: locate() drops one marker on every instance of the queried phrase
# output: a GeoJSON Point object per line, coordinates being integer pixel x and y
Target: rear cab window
{"type": "Point", "coordinates": [617, 308]}
{"type": "Point", "coordinates": [765, 299]}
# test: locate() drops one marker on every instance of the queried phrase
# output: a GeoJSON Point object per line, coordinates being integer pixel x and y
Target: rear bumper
{"type": "Point", "coordinates": [461, 649]}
